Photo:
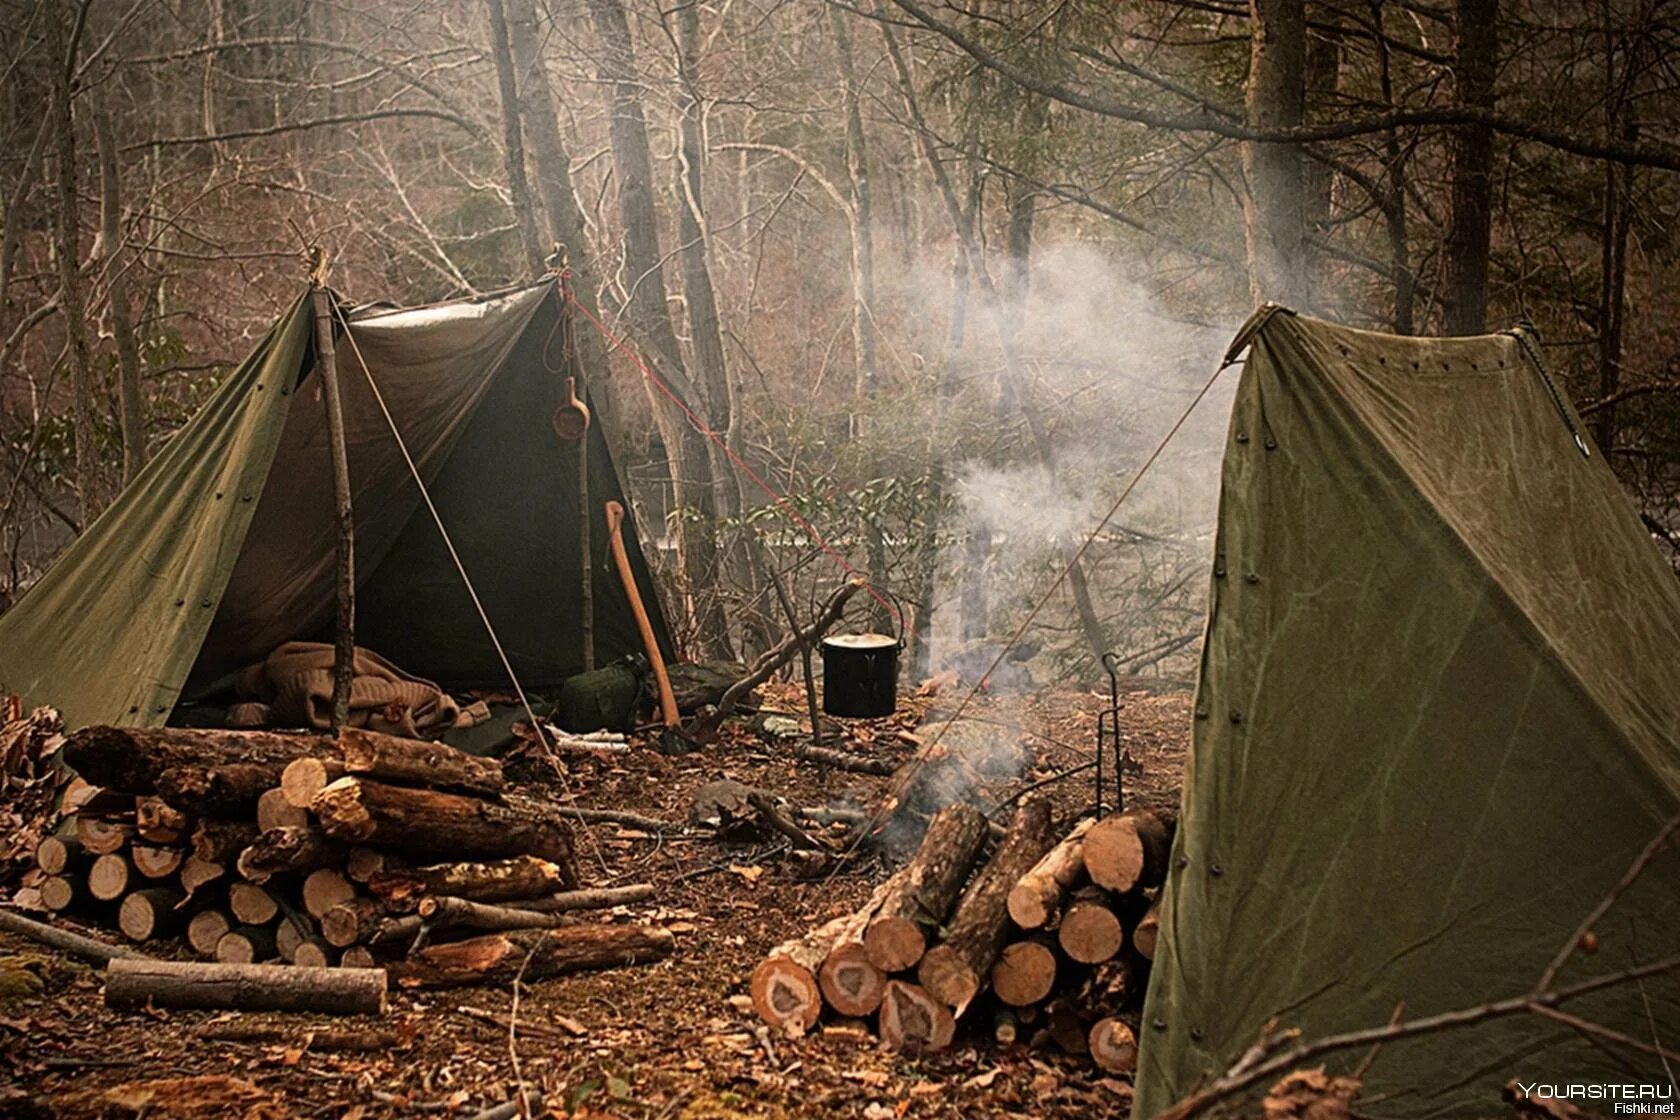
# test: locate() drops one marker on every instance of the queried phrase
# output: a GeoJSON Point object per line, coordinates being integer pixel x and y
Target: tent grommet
{"type": "Point", "coordinates": [1160, 1024]}
{"type": "Point", "coordinates": [1253, 577]}
{"type": "Point", "coordinates": [1242, 437]}
{"type": "Point", "coordinates": [1236, 716]}
{"type": "Point", "coordinates": [1216, 870]}
{"type": "Point", "coordinates": [1197, 1034]}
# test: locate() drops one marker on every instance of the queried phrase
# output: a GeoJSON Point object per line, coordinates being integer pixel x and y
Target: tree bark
{"type": "Point", "coordinates": [1470, 229]}
{"type": "Point", "coordinates": [277, 850]}
{"type": "Point", "coordinates": [156, 820]}
{"type": "Point", "coordinates": [1274, 215]}
{"type": "Point", "coordinates": [1037, 896]}
{"type": "Point", "coordinates": [522, 877]}
{"type": "Point", "coordinates": [131, 410]}
{"type": "Point", "coordinates": [428, 823]}
{"type": "Point", "coordinates": [922, 894]}
{"type": "Point", "coordinates": [418, 763]}
{"type": "Point", "coordinates": [455, 913]}
{"type": "Point", "coordinates": [230, 790]}
{"type": "Point", "coordinates": [131, 758]}
{"type": "Point", "coordinates": [953, 972]}
{"type": "Point", "coordinates": [498, 958]}
{"type": "Point", "coordinates": [134, 984]}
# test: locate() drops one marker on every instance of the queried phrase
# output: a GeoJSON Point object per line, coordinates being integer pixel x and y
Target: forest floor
{"type": "Point", "coordinates": [672, 1040]}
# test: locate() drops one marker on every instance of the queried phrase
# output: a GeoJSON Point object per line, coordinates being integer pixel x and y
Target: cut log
{"type": "Point", "coordinates": [1127, 850]}
{"type": "Point", "coordinates": [351, 921]}
{"type": "Point", "coordinates": [499, 957]}
{"type": "Point", "coordinates": [101, 837]}
{"type": "Point", "coordinates": [1090, 932]}
{"type": "Point", "coordinates": [362, 864]}
{"type": "Point", "coordinates": [288, 935]}
{"type": "Point", "coordinates": [288, 849]}
{"type": "Point", "coordinates": [850, 982]}
{"type": "Point", "coordinates": [427, 823]}
{"type": "Point", "coordinates": [456, 913]}
{"type": "Point", "coordinates": [106, 804]}
{"type": "Point", "coordinates": [196, 873]}
{"type": "Point", "coordinates": [521, 877]}
{"type": "Point", "coordinates": [222, 841]}
{"type": "Point", "coordinates": [325, 888]}
{"type": "Point", "coordinates": [74, 795]}
{"type": "Point", "coordinates": [784, 986]}
{"type": "Point", "coordinates": [229, 790]}
{"type": "Point", "coordinates": [1113, 1046]}
{"type": "Point", "coordinates": [598, 898]}
{"type": "Point", "coordinates": [416, 762]}
{"type": "Point", "coordinates": [134, 984]}
{"type": "Point", "coordinates": [303, 778]}
{"type": "Point", "coordinates": [1038, 895]}
{"type": "Point", "coordinates": [922, 894]}
{"type": "Point", "coordinates": [160, 822]}
{"type": "Point", "coordinates": [912, 1020]}
{"type": "Point", "coordinates": [315, 953]}
{"type": "Point", "coordinates": [57, 854]}
{"type": "Point", "coordinates": [150, 913]}
{"type": "Point", "coordinates": [110, 877]}
{"type": "Point", "coordinates": [247, 945]}
{"type": "Point", "coordinates": [252, 905]}
{"type": "Point", "coordinates": [60, 892]}
{"type": "Point", "coordinates": [132, 758]}
{"type": "Point", "coordinates": [954, 971]}
{"type": "Point", "coordinates": [1147, 932]}
{"type": "Point", "coordinates": [358, 956]}
{"type": "Point", "coordinates": [1024, 973]}
{"type": "Point", "coordinates": [205, 929]}
{"type": "Point", "coordinates": [274, 810]}
{"type": "Point", "coordinates": [1006, 1026]}
{"type": "Point", "coordinates": [155, 862]}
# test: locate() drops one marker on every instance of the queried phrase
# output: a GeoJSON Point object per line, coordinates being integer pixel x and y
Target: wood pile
{"type": "Point", "coordinates": [1044, 939]}
{"type": "Point", "coordinates": [356, 851]}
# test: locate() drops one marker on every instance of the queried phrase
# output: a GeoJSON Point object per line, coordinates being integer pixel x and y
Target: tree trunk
{"type": "Point", "coordinates": [416, 762]}
{"type": "Point", "coordinates": [131, 410]}
{"type": "Point", "coordinates": [691, 473]}
{"type": "Point", "coordinates": [131, 758]}
{"type": "Point", "coordinates": [954, 971]}
{"type": "Point", "coordinates": [134, 984]}
{"type": "Point", "coordinates": [1470, 228]}
{"type": "Point", "coordinates": [513, 142]}
{"type": "Point", "coordinates": [1274, 213]}
{"type": "Point", "coordinates": [497, 959]}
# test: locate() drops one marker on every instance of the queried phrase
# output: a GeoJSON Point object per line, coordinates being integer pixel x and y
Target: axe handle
{"type": "Point", "coordinates": [621, 559]}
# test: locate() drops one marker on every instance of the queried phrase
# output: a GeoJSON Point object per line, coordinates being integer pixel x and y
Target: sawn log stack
{"type": "Point", "coordinates": [356, 850]}
{"type": "Point", "coordinates": [1048, 935]}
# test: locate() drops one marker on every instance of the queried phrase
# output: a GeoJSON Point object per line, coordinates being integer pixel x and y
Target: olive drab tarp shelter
{"type": "Point", "coordinates": [224, 546]}
{"type": "Point", "coordinates": [1438, 719]}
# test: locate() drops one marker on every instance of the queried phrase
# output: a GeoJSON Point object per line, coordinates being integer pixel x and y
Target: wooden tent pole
{"type": "Point", "coordinates": [326, 365]}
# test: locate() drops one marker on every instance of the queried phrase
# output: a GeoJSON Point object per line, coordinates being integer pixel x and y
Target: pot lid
{"type": "Point", "coordinates": [860, 641]}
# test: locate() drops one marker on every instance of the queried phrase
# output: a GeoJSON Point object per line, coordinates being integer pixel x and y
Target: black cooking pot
{"type": "Point", "coordinates": [860, 674]}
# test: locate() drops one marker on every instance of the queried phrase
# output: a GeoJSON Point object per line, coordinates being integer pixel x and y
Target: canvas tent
{"type": "Point", "coordinates": [1438, 718]}
{"type": "Point", "coordinates": [224, 546]}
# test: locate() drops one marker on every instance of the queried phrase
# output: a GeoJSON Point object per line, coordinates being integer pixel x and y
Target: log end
{"type": "Point", "coordinates": [852, 985]}
{"type": "Point", "coordinates": [911, 1019]}
{"type": "Point", "coordinates": [1024, 973]}
{"type": "Point", "coordinates": [894, 944]}
{"type": "Point", "coordinates": [786, 995]}
{"type": "Point", "coordinates": [948, 978]}
{"type": "Point", "coordinates": [1113, 1046]}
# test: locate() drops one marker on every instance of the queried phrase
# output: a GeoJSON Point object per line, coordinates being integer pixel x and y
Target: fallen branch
{"type": "Point", "coordinates": [778, 655]}
{"type": "Point", "coordinates": [65, 941]}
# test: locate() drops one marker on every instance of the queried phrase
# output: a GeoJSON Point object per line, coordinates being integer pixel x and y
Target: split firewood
{"type": "Point", "coordinates": [246, 945]}
{"type": "Point", "coordinates": [1127, 850]}
{"type": "Point", "coordinates": [135, 984]}
{"type": "Point", "coordinates": [229, 790]}
{"type": "Point", "coordinates": [154, 862]}
{"type": "Point", "coordinates": [252, 905]}
{"type": "Point", "coordinates": [206, 929]}
{"type": "Point", "coordinates": [57, 854]}
{"type": "Point", "coordinates": [325, 888]}
{"type": "Point", "coordinates": [389, 758]}
{"type": "Point", "coordinates": [275, 811]}
{"type": "Point", "coordinates": [288, 849]}
{"type": "Point", "coordinates": [912, 1020]}
{"type": "Point", "coordinates": [954, 971]}
{"type": "Point", "coordinates": [497, 958]}
{"type": "Point", "coordinates": [1038, 895]}
{"type": "Point", "coordinates": [101, 837]}
{"type": "Point", "coordinates": [426, 822]}
{"type": "Point", "coordinates": [597, 898]}
{"type": "Point", "coordinates": [132, 758]}
{"type": "Point", "coordinates": [923, 893]}
{"type": "Point", "coordinates": [1147, 931]}
{"type": "Point", "coordinates": [105, 804]}
{"type": "Point", "coordinates": [520, 877]}
{"type": "Point", "coordinates": [111, 876]}
{"type": "Point", "coordinates": [303, 778]}
{"type": "Point", "coordinates": [1090, 932]}
{"type": "Point", "coordinates": [150, 913]}
{"type": "Point", "coordinates": [1024, 973]}
{"type": "Point", "coordinates": [74, 795]}
{"type": "Point", "coordinates": [1113, 1046]}
{"type": "Point", "coordinates": [61, 892]}
{"type": "Point", "coordinates": [196, 873]}
{"type": "Point", "coordinates": [221, 841]}
{"type": "Point", "coordinates": [160, 822]}
{"type": "Point", "coordinates": [784, 986]}
{"type": "Point", "coordinates": [454, 913]}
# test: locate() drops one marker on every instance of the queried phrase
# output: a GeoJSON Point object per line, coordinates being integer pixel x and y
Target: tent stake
{"type": "Point", "coordinates": [344, 631]}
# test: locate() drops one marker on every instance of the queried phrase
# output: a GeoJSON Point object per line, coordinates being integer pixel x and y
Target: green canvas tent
{"type": "Point", "coordinates": [1438, 719]}
{"type": "Point", "coordinates": [224, 546]}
